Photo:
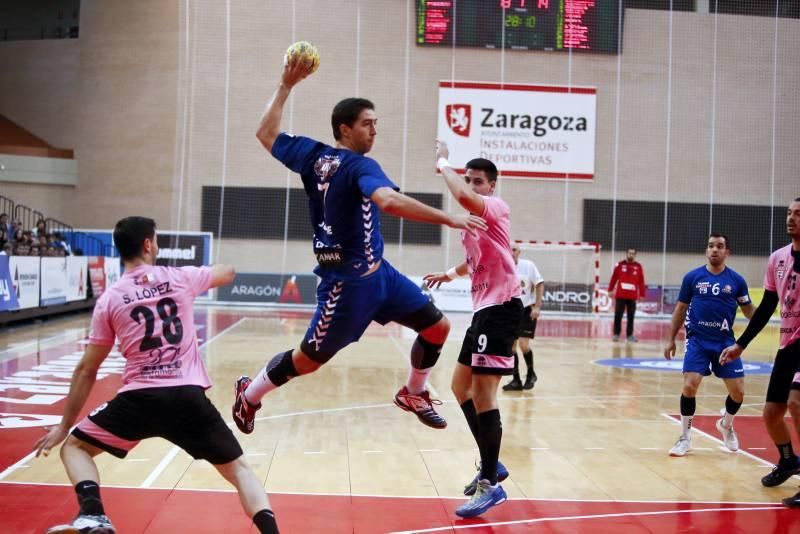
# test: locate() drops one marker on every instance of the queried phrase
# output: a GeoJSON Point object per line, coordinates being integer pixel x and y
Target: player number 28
{"type": "Point", "coordinates": [171, 326]}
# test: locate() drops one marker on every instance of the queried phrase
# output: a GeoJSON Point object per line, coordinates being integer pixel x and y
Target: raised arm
{"type": "Point", "coordinates": [222, 274]}
{"type": "Point", "coordinates": [434, 280]}
{"type": "Point", "coordinates": [464, 195]}
{"type": "Point", "coordinates": [270, 125]}
{"type": "Point", "coordinates": [401, 205]}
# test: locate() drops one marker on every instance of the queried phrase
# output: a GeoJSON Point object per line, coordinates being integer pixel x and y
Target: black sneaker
{"type": "Point", "coordinates": [780, 474]}
{"type": "Point", "coordinates": [244, 413]}
{"type": "Point", "coordinates": [793, 501]}
{"type": "Point", "coordinates": [514, 385]}
{"type": "Point", "coordinates": [530, 381]}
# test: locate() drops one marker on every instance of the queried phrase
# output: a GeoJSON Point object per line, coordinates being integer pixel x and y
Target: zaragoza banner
{"type": "Point", "coordinates": [528, 131]}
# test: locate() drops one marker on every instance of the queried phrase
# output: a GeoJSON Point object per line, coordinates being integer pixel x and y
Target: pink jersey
{"type": "Point", "coordinates": [491, 265]}
{"type": "Point", "coordinates": [150, 311]}
{"type": "Point", "coordinates": [782, 278]}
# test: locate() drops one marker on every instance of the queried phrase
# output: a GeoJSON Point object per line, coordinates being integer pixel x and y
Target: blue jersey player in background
{"type": "Point", "coordinates": [707, 308]}
{"type": "Point", "coordinates": [346, 192]}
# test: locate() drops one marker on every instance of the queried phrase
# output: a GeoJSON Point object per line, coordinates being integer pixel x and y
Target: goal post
{"type": "Point", "coordinates": [571, 271]}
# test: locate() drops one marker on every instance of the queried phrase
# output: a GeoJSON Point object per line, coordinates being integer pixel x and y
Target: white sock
{"type": "Point", "coordinates": [417, 379]}
{"type": "Point", "coordinates": [260, 386]}
{"type": "Point", "coordinates": [686, 425]}
{"type": "Point", "coordinates": [727, 419]}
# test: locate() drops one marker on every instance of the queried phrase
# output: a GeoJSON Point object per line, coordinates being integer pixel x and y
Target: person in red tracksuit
{"type": "Point", "coordinates": [626, 287]}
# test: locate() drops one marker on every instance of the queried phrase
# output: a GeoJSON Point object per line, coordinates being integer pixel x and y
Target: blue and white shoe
{"type": "Point", "coordinates": [485, 497]}
{"type": "Point", "coordinates": [502, 474]}
{"type": "Point", "coordinates": [85, 524]}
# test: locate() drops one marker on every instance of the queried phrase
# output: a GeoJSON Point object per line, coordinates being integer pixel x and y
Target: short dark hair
{"type": "Point", "coordinates": [631, 248]}
{"type": "Point", "coordinates": [130, 233]}
{"type": "Point", "coordinates": [483, 164]}
{"type": "Point", "coordinates": [346, 112]}
{"type": "Point", "coordinates": [722, 236]}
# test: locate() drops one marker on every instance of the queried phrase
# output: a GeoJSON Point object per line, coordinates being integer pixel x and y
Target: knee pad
{"type": "Point", "coordinates": [424, 354]}
{"type": "Point", "coordinates": [281, 368]}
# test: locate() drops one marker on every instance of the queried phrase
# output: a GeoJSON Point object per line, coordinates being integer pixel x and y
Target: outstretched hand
{"type": "Point", "coordinates": [434, 280]}
{"type": "Point", "coordinates": [729, 354]}
{"type": "Point", "coordinates": [296, 71]}
{"type": "Point", "coordinates": [55, 435]}
{"type": "Point", "coordinates": [441, 150]}
{"type": "Point", "coordinates": [470, 223]}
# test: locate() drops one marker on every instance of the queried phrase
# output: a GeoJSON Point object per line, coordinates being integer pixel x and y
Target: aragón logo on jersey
{"type": "Point", "coordinates": [539, 124]}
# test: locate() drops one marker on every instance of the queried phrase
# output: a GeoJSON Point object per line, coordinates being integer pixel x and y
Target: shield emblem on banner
{"type": "Point", "coordinates": [459, 117]}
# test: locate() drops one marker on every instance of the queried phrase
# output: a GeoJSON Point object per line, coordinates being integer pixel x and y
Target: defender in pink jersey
{"type": "Point", "coordinates": [150, 312]}
{"type": "Point", "coordinates": [486, 353]}
{"type": "Point", "coordinates": [781, 284]}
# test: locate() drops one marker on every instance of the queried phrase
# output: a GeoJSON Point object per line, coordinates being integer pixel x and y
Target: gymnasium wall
{"type": "Point", "coordinates": [162, 98]}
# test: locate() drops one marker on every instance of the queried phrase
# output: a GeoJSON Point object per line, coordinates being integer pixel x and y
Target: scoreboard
{"type": "Point", "coordinates": [581, 25]}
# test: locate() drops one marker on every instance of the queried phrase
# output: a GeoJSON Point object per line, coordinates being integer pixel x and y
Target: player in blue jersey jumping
{"type": "Point", "coordinates": [707, 308]}
{"type": "Point", "coordinates": [346, 192]}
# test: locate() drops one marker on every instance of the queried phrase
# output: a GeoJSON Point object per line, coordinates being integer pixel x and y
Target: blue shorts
{"type": "Point", "coordinates": [345, 308]}
{"type": "Point", "coordinates": [703, 357]}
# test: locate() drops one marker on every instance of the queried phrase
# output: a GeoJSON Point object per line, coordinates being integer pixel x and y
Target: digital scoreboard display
{"type": "Point", "coordinates": [583, 25]}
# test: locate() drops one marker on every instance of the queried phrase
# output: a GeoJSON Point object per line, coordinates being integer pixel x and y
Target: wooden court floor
{"type": "Point", "coordinates": [586, 449]}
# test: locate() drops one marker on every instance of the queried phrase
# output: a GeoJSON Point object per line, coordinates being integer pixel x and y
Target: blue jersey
{"type": "Point", "coordinates": [712, 300]}
{"type": "Point", "coordinates": [339, 184]}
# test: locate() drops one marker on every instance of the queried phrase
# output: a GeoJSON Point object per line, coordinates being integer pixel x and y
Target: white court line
{"type": "Point", "coordinates": [574, 517]}
{"type": "Point", "coordinates": [173, 452]}
{"type": "Point", "coordinates": [321, 411]}
{"type": "Point", "coordinates": [69, 336]}
{"type": "Point", "coordinates": [458, 497]}
{"type": "Point", "coordinates": [11, 468]}
{"type": "Point", "coordinates": [712, 438]}
{"type": "Point", "coordinates": [223, 332]}
{"type": "Point", "coordinates": [162, 465]}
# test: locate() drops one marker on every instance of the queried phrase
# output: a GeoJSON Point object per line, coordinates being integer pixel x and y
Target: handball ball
{"type": "Point", "coordinates": [302, 51]}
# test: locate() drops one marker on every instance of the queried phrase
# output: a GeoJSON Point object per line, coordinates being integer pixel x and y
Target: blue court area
{"type": "Point", "coordinates": [660, 364]}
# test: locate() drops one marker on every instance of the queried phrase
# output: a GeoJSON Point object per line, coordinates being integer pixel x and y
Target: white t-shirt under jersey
{"type": "Point", "coordinates": [529, 278]}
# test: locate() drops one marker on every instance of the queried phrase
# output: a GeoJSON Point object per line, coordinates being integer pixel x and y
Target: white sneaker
{"type": "Point", "coordinates": [681, 447]}
{"type": "Point", "coordinates": [90, 524]}
{"type": "Point", "coordinates": [728, 436]}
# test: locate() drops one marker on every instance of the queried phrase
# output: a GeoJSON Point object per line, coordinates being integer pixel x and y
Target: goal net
{"type": "Point", "coordinates": [571, 272]}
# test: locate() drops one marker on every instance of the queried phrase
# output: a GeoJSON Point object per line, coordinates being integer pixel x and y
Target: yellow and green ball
{"type": "Point", "coordinates": [302, 51]}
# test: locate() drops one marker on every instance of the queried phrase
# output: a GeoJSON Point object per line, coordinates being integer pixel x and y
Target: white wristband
{"type": "Point", "coordinates": [442, 162]}
{"type": "Point", "coordinates": [452, 274]}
